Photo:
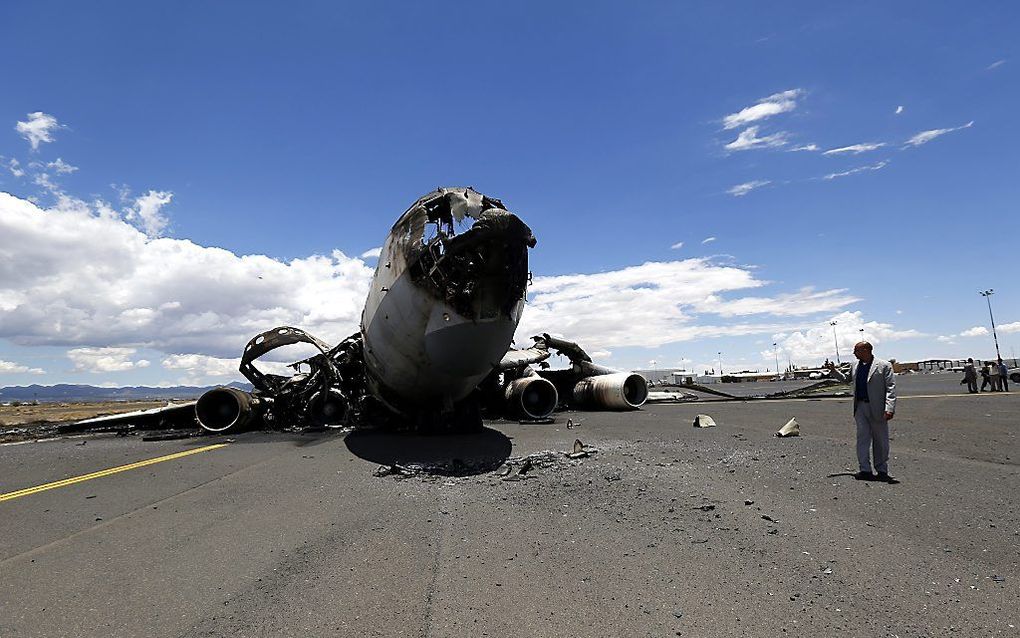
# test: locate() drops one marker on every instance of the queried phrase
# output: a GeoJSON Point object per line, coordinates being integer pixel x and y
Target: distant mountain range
{"type": "Point", "coordinates": [69, 392]}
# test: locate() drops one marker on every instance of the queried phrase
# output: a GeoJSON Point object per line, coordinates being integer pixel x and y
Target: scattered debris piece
{"type": "Point", "coordinates": [393, 470]}
{"type": "Point", "coordinates": [679, 613]}
{"type": "Point", "coordinates": [748, 502]}
{"type": "Point", "coordinates": [792, 428]}
{"type": "Point", "coordinates": [704, 421]}
{"type": "Point", "coordinates": [173, 435]}
{"type": "Point", "coordinates": [768, 518]}
{"type": "Point", "coordinates": [705, 508]}
{"type": "Point", "coordinates": [579, 451]}
{"type": "Point", "coordinates": [542, 421]}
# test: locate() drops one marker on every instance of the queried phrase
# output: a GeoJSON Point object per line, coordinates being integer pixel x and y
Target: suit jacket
{"type": "Point", "coordinates": [881, 388]}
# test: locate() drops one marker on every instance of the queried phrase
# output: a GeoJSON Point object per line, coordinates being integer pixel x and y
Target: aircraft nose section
{"type": "Point", "coordinates": [464, 347]}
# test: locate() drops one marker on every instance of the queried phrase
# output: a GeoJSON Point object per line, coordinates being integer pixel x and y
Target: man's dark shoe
{"type": "Point", "coordinates": [864, 476]}
{"type": "Point", "coordinates": [884, 477]}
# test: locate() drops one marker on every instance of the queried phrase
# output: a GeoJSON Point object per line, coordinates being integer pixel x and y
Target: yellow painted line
{"type": "Point", "coordinates": [107, 472]}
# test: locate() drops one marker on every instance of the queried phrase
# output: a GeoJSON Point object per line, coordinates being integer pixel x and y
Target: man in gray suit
{"type": "Point", "coordinates": [874, 405]}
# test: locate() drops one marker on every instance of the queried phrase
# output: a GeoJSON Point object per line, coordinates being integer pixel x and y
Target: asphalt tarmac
{"type": "Point", "coordinates": [665, 530]}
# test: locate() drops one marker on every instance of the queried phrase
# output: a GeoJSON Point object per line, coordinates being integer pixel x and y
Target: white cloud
{"type": "Point", "coordinates": [664, 302]}
{"type": "Point", "coordinates": [805, 147]}
{"type": "Point", "coordinates": [14, 166]}
{"type": "Point", "coordinates": [748, 139]}
{"type": "Point", "coordinates": [43, 179]}
{"type": "Point", "coordinates": [995, 65]}
{"type": "Point", "coordinates": [80, 275]}
{"type": "Point", "coordinates": [743, 189]}
{"type": "Point", "coordinates": [946, 339]}
{"type": "Point", "coordinates": [60, 167]}
{"type": "Point", "coordinates": [10, 367]}
{"type": "Point", "coordinates": [899, 109]}
{"type": "Point", "coordinates": [38, 128]}
{"type": "Point", "coordinates": [816, 343]}
{"type": "Point", "coordinates": [677, 246]}
{"type": "Point", "coordinates": [1009, 328]}
{"type": "Point", "coordinates": [859, 169]}
{"type": "Point", "coordinates": [926, 136]}
{"type": "Point", "coordinates": [147, 209]}
{"type": "Point", "coordinates": [201, 369]}
{"type": "Point", "coordinates": [372, 253]}
{"type": "Point", "coordinates": [766, 107]}
{"type": "Point", "coordinates": [109, 359]}
{"type": "Point", "coordinates": [708, 240]}
{"type": "Point", "coordinates": [855, 149]}
{"type": "Point", "coordinates": [976, 331]}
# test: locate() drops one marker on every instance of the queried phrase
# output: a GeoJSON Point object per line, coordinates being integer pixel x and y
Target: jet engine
{"type": "Point", "coordinates": [617, 391]}
{"type": "Point", "coordinates": [225, 409]}
{"type": "Point", "coordinates": [531, 397]}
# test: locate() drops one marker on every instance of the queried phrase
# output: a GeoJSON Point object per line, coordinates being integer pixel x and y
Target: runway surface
{"type": "Point", "coordinates": [666, 530]}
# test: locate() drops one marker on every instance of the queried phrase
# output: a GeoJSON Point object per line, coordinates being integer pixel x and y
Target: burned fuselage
{"type": "Point", "coordinates": [446, 298]}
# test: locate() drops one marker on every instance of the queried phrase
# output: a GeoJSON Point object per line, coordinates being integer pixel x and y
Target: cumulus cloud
{"type": "Point", "coordinates": [10, 367]}
{"type": "Point", "coordinates": [80, 275]}
{"type": "Point", "coordinates": [60, 167]}
{"type": "Point", "coordinates": [976, 331]}
{"type": "Point", "coordinates": [677, 246]}
{"type": "Point", "coordinates": [855, 149]}
{"type": "Point", "coordinates": [743, 189]}
{"type": "Point", "coordinates": [38, 128]}
{"type": "Point", "coordinates": [147, 210]}
{"type": "Point", "coordinates": [817, 342]}
{"type": "Point", "coordinates": [860, 169]}
{"type": "Point", "coordinates": [899, 109]}
{"type": "Point", "coordinates": [675, 301]}
{"type": "Point", "coordinates": [926, 136]}
{"type": "Point", "coordinates": [766, 107]}
{"type": "Point", "coordinates": [372, 253]}
{"type": "Point", "coordinates": [1009, 328]}
{"type": "Point", "coordinates": [107, 359]}
{"type": "Point", "coordinates": [748, 139]}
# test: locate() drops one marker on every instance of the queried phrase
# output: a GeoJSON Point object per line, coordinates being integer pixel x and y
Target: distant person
{"type": "Point", "coordinates": [1003, 376]}
{"type": "Point", "coordinates": [970, 376]}
{"type": "Point", "coordinates": [993, 376]}
{"type": "Point", "coordinates": [986, 379]}
{"type": "Point", "coordinates": [874, 405]}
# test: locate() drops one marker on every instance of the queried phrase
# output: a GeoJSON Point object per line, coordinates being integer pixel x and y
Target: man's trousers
{"type": "Point", "coordinates": [872, 436]}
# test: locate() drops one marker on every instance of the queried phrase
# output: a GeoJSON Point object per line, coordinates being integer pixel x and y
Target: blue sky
{"type": "Point", "coordinates": [616, 131]}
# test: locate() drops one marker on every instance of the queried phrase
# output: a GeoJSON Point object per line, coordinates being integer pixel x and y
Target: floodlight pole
{"type": "Point", "coordinates": [987, 294]}
{"type": "Point", "coordinates": [835, 341]}
{"type": "Point", "coordinates": [775, 346]}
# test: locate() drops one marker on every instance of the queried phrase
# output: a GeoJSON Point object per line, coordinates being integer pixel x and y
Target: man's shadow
{"type": "Point", "coordinates": [443, 454]}
{"type": "Point", "coordinates": [891, 481]}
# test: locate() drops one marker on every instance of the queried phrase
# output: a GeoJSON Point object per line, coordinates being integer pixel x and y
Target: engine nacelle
{"type": "Point", "coordinates": [617, 391]}
{"type": "Point", "coordinates": [225, 410]}
{"type": "Point", "coordinates": [328, 408]}
{"type": "Point", "coordinates": [531, 397]}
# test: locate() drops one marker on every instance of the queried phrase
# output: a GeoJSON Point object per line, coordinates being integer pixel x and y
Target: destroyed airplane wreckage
{"type": "Point", "coordinates": [433, 347]}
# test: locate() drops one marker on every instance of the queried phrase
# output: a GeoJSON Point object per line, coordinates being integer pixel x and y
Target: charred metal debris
{"type": "Point", "coordinates": [454, 265]}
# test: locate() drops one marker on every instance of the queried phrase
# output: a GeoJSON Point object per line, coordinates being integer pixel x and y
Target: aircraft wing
{"type": "Point", "coordinates": [153, 418]}
{"type": "Point", "coordinates": [514, 359]}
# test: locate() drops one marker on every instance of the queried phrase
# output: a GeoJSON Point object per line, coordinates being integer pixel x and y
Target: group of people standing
{"type": "Point", "coordinates": [993, 375]}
